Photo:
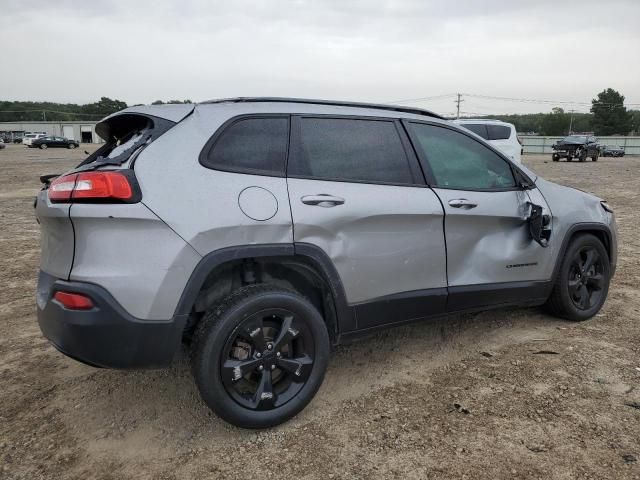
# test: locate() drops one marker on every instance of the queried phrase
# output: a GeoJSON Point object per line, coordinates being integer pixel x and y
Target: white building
{"type": "Point", "coordinates": [83, 131]}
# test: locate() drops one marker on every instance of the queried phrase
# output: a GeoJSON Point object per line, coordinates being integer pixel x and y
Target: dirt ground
{"type": "Point", "coordinates": [502, 394]}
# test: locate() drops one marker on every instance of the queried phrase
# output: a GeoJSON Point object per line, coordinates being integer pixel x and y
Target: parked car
{"type": "Point", "coordinates": [499, 134]}
{"type": "Point", "coordinates": [30, 137]}
{"type": "Point", "coordinates": [262, 231]}
{"type": "Point", "coordinates": [576, 146]}
{"type": "Point", "coordinates": [54, 142]}
{"type": "Point", "coordinates": [17, 139]}
{"type": "Point", "coordinates": [611, 151]}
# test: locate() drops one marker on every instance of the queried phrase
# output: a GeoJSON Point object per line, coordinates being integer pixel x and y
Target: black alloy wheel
{"type": "Point", "coordinates": [259, 356]}
{"type": "Point", "coordinates": [586, 278]}
{"type": "Point", "coordinates": [582, 281]}
{"type": "Point", "coordinates": [267, 360]}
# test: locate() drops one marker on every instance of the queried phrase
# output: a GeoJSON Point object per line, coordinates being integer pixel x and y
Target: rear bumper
{"type": "Point", "coordinates": [107, 335]}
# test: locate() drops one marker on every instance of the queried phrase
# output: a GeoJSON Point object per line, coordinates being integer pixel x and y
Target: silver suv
{"type": "Point", "coordinates": [261, 231]}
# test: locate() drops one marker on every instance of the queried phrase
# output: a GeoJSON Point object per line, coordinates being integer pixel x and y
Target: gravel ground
{"type": "Point", "coordinates": [502, 394]}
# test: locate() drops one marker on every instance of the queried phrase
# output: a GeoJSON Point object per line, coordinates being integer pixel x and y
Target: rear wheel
{"type": "Point", "coordinates": [594, 158]}
{"type": "Point", "coordinates": [260, 355]}
{"type": "Point", "coordinates": [43, 146]}
{"type": "Point", "coordinates": [555, 157]}
{"type": "Point", "coordinates": [582, 283]}
{"type": "Point", "coordinates": [71, 146]}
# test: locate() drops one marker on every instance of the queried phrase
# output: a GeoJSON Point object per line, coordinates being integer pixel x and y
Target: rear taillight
{"type": "Point", "coordinates": [73, 301]}
{"type": "Point", "coordinates": [519, 140]}
{"type": "Point", "coordinates": [89, 187]}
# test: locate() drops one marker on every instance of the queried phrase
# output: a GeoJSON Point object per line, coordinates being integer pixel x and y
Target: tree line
{"type": "Point", "coordinates": [608, 115]}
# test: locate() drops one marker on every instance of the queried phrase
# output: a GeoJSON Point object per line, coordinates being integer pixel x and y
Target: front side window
{"type": "Point", "coordinates": [343, 149]}
{"type": "Point", "coordinates": [460, 162]}
{"type": "Point", "coordinates": [251, 145]}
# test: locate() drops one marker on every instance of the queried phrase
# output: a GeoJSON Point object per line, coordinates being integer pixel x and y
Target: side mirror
{"type": "Point", "coordinates": [537, 225]}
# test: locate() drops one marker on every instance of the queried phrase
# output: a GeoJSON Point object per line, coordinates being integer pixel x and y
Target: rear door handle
{"type": "Point", "coordinates": [322, 200]}
{"type": "Point", "coordinates": [462, 203]}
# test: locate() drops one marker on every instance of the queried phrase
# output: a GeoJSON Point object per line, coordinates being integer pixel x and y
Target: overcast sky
{"type": "Point", "coordinates": [139, 51]}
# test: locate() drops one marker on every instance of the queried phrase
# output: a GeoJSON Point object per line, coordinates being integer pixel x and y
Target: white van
{"type": "Point", "coordinates": [30, 137]}
{"type": "Point", "coordinates": [501, 135]}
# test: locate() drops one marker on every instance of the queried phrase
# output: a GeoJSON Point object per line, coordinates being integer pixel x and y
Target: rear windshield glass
{"type": "Point", "coordinates": [498, 132]}
{"type": "Point", "coordinates": [477, 128]}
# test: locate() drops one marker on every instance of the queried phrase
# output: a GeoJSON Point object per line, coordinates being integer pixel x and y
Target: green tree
{"type": "Point", "coordinates": [555, 123]}
{"type": "Point", "coordinates": [610, 116]}
{"type": "Point", "coordinates": [635, 121]}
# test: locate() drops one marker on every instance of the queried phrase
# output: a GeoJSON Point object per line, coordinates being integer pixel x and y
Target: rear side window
{"type": "Point", "coordinates": [477, 128]}
{"type": "Point", "coordinates": [460, 162]}
{"type": "Point", "coordinates": [251, 145]}
{"type": "Point", "coordinates": [368, 151]}
{"type": "Point", "coordinates": [498, 132]}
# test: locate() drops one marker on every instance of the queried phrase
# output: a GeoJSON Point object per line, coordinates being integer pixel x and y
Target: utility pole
{"type": "Point", "coordinates": [44, 115]}
{"type": "Point", "coordinates": [571, 121]}
{"type": "Point", "coordinates": [457, 102]}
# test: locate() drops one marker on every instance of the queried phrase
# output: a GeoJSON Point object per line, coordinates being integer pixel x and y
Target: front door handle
{"type": "Point", "coordinates": [322, 200]}
{"type": "Point", "coordinates": [462, 203]}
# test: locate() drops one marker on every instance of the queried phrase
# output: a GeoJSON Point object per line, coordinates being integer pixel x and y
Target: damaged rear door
{"type": "Point", "coordinates": [492, 256]}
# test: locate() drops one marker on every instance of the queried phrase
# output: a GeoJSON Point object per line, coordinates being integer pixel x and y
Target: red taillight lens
{"type": "Point", "coordinates": [74, 301]}
{"type": "Point", "coordinates": [93, 187]}
{"type": "Point", "coordinates": [61, 188]}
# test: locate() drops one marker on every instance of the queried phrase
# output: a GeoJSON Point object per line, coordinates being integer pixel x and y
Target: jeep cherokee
{"type": "Point", "coordinates": [261, 231]}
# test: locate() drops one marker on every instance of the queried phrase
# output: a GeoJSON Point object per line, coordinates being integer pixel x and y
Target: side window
{"type": "Point", "coordinates": [350, 150]}
{"type": "Point", "coordinates": [460, 162]}
{"type": "Point", "coordinates": [477, 128]}
{"type": "Point", "coordinates": [498, 132]}
{"type": "Point", "coordinates": [251, 145]}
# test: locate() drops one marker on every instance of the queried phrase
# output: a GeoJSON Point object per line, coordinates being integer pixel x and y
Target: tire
{"type": "Point", "coordinates": [71, 146]}
{"type": "Point", "coordinates": [555, 158]}
{"type": "Point", "coordinates": [238, 332]}
{"type": "Point", "coordinates": [594, 158]}
{"type": "Point", "coordinates": [583, 157]}
{"type": "Point", "coordinates": [43, 146]}
{"type": "Point", "coordinates": [566, 299]}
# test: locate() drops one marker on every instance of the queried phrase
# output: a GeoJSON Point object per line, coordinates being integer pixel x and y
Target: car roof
{"type": "Point", "coordinates": [481, 120]}
{"type": "Point", "coordinates": [327, 103]}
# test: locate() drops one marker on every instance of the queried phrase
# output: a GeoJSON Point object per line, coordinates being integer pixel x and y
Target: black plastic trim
{"type": "Point", "coordinates": [106, 335]}
{"type": "Point", "coordinates": [586, 227]}
{"type": "Point", "coordinates": [315, 254]}
{"type": "Point", "coordinates": [401, 307]}
{"type": "Point", "coordinates": [465, 297]}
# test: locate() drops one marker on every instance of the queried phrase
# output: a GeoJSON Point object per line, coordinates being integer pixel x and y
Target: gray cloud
{"type": "Point", "coordinates": [73, 50]}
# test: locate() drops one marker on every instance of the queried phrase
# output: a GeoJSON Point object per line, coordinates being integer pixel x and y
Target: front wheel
{"type": "Point", "coordinates": [71, 146]}
{"type": "Point", "coordinates": [260, 356]}
{"type": "Point", "coordinates": [555, 157]}
{"type": "Point", "coordinates": [582, 284]}
{"type": "Point", "coordinates": [43, 146]}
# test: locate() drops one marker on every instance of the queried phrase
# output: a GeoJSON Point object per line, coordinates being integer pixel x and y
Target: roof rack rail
{"type": "Point", "coordinates": [338, 103]}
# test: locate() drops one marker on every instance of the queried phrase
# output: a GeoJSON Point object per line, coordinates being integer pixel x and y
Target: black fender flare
{"type": "Point", "coordinates": [577, 228]}
{"type": "Point", "coordinates": [312, 253]}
